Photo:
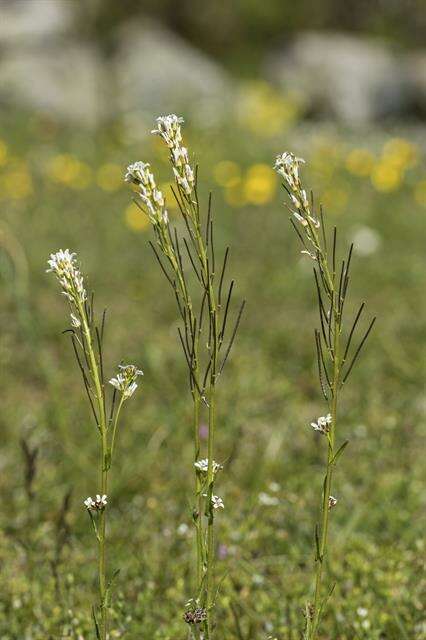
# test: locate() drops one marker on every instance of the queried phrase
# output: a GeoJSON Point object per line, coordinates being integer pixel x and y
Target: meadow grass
{"type": "Point", "coordinates": [271, 491]}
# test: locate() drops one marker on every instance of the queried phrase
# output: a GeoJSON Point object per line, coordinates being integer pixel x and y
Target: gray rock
{"type": "Point", "coordinates": [26, 21]}
{"type": "Point", "coordinates": [416, 73]}
{"type": "Point", "coordinates": [355, 80]}
{"type": "Point", "coordinates": [153, 72]}
{"type": "Point", "coordinates": [158, 72]}
{"type": "Point", "coordinates": [63, 81]}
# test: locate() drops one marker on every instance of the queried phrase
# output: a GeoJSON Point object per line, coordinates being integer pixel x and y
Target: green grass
{"type": "Point", "coordinates": [269, 398]}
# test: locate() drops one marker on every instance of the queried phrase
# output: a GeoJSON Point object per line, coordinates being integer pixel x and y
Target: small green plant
{"type": "Point", "coordinates": [334, 354]}
{"type": "Point", "coordinates": [87, 340]}
{"type": "Point", "coordinates": [188, 260]}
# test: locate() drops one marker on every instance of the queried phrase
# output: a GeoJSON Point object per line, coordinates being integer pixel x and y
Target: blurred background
{"type": "Point", "coordinates": [342, 85]}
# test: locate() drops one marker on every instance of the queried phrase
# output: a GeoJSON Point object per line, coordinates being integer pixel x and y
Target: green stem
{"type": "Point", "coordinates": [210, 512]}
{"type": "Point", "coordinates": [114, 429]}
{"type": "Point", "coordinates": [94, 368]}
{"type": "Point", "coordinates": [313, 628]}
{"type": "Point", "coordinates": [102, 545]}
{"type": "Point", "coordinates": [198, 496]}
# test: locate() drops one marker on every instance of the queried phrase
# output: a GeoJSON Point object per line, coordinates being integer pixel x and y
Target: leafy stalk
{"type": "Point", "coordinates": [87, 342]}
{"type": "Point", "coordinates": [201, 336]}
{"type": "Point", "coordinates": [332, 289]}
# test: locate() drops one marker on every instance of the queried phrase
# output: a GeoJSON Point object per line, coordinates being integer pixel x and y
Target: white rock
{"type": "Point", "coordinates": [356, 80]}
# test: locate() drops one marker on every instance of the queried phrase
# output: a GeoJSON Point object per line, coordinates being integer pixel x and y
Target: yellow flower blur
{"type": "Point", "coordinates": [265, 111]}
{"type": "Point", "coordinates": [227, 173]}
{"type": "Point", "coordinates": [360, 162]}
{"type": "Point", "coordinates": [68, 170]}
{"type": "Point", "coordinates": [260, 184]}
{"type": "Point", "coordinates": [109, 177]}
{"type": "Point", "coordinates": [135, 219]}
{"type": "Point", "coordinates": [386, 177]}
{"type": "Point", "coordinates": [17, 182]}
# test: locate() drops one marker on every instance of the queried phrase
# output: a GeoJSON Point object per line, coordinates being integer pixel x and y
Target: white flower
{"type": "Point", "coordinates": [300, 219]}
{"type": "Point", "coordinates": [332, 501]}
{"type": "Point", "coordinates": [125, 381]}
{"type": "Point", "coordinates": [308, 253]}
{"type": "Point", "coordinates": [362, 612]}
{"type": "Point", "coordinates": [322, 424]}
{"type": "Point", "coordinates": [64, 265]}
{"type": "Point", "coordinates": [295, 201]}
{"type": "Point", "coordinates": [139, 174]}
{"type": "Point", "coordinates": [89, 503]}
{"type": "Point", "coordinates": [217, 502]}
{"type": "Point", "coordinates": [75, 321]}
{"type": "Point", "coordinates": [203, 465]}
{"type": "Point", "coordinates": [168, 127]}
{"type": "Point", "coordinates": [287, 165]}
{"type": "Point", "coordinates": [98, 504]}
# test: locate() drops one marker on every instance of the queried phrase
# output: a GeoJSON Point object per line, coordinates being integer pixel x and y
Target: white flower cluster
{"type": "Point", "coordinates": [139, 174]}
{"type": "Point", "coordinates": [98, 504]}
{"type": "Point", "coordinates": [125, 381]}
{"type": "Point", "coordinates": [203, 466]}
{"type": "Point", "coordinates": [287, 165]}
{"type": "Point", "coordinates": [332, 501]}
{"type": "Point", "coordinates": [64, 265]}
{"type": "Point", "coordinates": [168, 127]}
{"type": "Point", "coordinates": [217, 502]}
{"type": "Point", "coordinates": [322, 424]}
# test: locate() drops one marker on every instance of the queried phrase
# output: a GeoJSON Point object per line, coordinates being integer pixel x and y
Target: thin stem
{"type": "Point", "coordinates": [198, 497]}
{"type": "Point", "coordinates": [327, 482]}
{"type": "Point", "coordinates": [114, 428]}
{"type": "Point", "coordinates": [210, 515]}
{"type": "Point", "coordinates": [99, 393]}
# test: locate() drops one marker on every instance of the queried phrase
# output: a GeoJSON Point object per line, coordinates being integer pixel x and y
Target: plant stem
{"type": "Point", "coordinates": [198, 496]}
{"type": "Point", "coordinates": [328, 481]}
{"type": "Point", "coordinates": [99, 391]}
{"type": "Point", "coordinates": [209, 510]}
{"type": "Point", "coordinates": [102, 544]}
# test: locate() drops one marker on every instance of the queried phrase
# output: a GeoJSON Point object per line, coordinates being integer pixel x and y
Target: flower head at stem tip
{"type": "Point", "coordinates": [125, 381]}
{"type": "Point", "coordinates": [322, 425]}
{"type": "Point", "coordinates": [98, 504]}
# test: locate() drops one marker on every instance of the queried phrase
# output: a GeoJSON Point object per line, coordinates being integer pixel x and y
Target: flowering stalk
{"type": "Point", "coordinates": [174, 252]}
{"type": "Point", "coordinates": [87, 341]}
{"type": "Point", "coordinates": [334, 365]}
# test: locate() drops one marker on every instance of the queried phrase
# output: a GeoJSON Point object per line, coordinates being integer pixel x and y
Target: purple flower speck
{"type": "Point", "coordinates": [204, 431]}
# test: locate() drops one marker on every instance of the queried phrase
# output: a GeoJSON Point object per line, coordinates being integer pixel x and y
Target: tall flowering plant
{"type": "Point", "coordinates": [334, 350]}
{"type": "Point", "coordinates": [87, 339]}
{"type": "Point", "coordinates": [189, 263]}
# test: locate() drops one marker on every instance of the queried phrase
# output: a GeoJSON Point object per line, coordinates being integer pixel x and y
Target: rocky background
{"type": "Point", "coordinates": [93, 62]}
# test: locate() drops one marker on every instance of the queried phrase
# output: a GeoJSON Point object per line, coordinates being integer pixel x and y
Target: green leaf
{"type": "Point", "coordinates": [95, 528]}
{"type": "Point", "coordinates": [340, 451]}
{"type": "Point", "coordinates": [317, 543]}
{"type": "Point", "coordinates": [109, 585]}
{"type": "Point", "coordinates": [97, 630]}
